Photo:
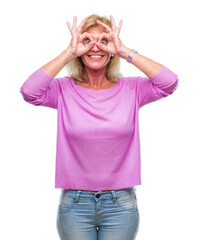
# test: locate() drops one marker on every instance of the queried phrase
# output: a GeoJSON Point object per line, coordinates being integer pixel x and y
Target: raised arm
{"type": "Point", "coordinates": [53, 67]}
{"type": "Point", "coordinates": [160, 81]}
{"type": "Point", "coordinates": [148, 66]}
{"type": "Point", "coordinates": [116, 47]}
{"type": "Point", "coordinates": [41, 87]}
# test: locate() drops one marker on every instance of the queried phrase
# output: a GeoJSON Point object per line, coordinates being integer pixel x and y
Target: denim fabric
{"type": "Point", "coordinates": [111, 215]}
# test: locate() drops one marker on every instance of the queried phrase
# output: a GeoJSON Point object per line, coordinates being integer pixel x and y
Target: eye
{"type": "Point", "coordinates": [104, 41]}
{"type": "Point", "coordinates": [87, 40]}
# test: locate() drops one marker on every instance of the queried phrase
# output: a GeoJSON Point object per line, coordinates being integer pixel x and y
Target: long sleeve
{"type": "Point", "coordinates": [41, 89]}
{"type": "Point", "coordinates": [161, 85]}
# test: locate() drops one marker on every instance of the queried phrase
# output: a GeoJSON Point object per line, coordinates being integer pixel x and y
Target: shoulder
{"type": "Point", "coordinates": [62, 81]}
{"type": "Point", "coordinates": [130, 81]}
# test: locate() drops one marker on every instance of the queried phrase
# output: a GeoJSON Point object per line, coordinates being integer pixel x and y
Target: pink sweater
{"type": "Point", "coordinates": [98, 145]}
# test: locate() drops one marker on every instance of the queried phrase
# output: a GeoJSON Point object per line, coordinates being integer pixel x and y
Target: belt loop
{"type": "Point", "coordinates": [76, 198]}
{"type": "Point", "coordinates": [114, 195]}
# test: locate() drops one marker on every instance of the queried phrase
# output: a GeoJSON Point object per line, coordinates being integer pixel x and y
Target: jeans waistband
{"type": "Point", "coordinates": [96, 194]}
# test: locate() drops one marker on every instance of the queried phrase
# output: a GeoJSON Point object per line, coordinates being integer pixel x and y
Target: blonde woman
{"type": "Point", "coordinates": [98, 147]}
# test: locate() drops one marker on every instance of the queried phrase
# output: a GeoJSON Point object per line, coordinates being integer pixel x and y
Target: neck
{"type": "Point", "coordinates": [96, 78]}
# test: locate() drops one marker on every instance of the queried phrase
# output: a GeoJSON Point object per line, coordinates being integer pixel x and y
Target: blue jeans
{"type": "Point", "coordinates": [111, 215]}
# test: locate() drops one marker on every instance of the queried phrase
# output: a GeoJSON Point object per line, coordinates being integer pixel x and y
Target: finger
{"type": "Point", "coordinates": [90, 45]}
{"type": "Point", "coordinates": [81, 25]}
{"type": "Point", "coordinates": [86, 35]}
{"type": "Point", "coordinates": [120, 25]}
{"type": "Point", "coordinates": [74, 22]}
{"type": "Point", "coordinates": [112, 22]}
{"type": "Point", "coordinates": [101, 46]}
{"type": "Point", "coordinates": [103, 35]}
{"type": "Point", "coordinates": [104, 25]}
{"type": "Point", "coordinates": [69, 26]}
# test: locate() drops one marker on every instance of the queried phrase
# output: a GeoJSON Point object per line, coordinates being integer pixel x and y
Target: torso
{"type": "Point", "coordinates": [109, 85]}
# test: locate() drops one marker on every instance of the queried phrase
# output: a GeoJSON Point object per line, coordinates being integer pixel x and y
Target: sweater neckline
{"type": "Point", "coordinates": [103, 91]}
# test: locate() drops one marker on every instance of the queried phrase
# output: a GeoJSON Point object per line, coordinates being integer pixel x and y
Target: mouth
{"type": "Point", "coordinates": [95, 57]}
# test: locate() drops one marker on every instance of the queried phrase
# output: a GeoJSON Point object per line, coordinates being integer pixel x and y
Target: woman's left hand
{"type": "Point", "coordinates": [114, 45]}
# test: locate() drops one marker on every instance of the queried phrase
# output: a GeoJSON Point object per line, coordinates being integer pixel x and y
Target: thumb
{"type": "Point", "coordinates": [101, 46]}
{"type": "Point", "coordinates": [90, 45]}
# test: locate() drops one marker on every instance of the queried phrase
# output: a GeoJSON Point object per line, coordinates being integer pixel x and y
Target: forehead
{"type": "Point", "coordinates": [96, 31]}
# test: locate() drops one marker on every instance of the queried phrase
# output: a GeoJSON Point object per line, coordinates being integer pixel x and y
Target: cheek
{"type": "Point", "coordinates": [107, 59]}
{"type": "Point", "coordinates": [83, 59]}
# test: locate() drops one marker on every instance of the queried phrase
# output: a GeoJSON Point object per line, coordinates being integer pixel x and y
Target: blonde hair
{"type": "Point", "coordinates": [76, 68]}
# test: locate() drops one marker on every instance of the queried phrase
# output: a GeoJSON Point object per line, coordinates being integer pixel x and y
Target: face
{"type": "Point", "coordinates": [103, 59]}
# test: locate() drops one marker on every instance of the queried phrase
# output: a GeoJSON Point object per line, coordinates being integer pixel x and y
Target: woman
{"type": "Point", "coordinates": [98, 148]}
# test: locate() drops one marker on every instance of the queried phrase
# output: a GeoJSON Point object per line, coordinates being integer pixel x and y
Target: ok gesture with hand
{"type": "Point", "coordinates": [77, 46]}
{"type": "Point", "coordinates": [114, 45]}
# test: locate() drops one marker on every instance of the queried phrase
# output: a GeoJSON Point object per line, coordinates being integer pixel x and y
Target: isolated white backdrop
{"type": "Point", "coordinates": [35, 32]}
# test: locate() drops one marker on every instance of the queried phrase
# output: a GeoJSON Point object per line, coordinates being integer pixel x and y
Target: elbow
{"type": "Point", "coordinates": [24, 89]}
{"type": "Point", "coordinates": [24, 93]}
{"type": "Point", "coordinates": [27, 96]}
{"type": "Point", "coordinates": [173, 86]}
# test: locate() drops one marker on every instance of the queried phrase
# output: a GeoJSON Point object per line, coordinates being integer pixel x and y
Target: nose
{"type": "Point", "coordinates": [95, 47]}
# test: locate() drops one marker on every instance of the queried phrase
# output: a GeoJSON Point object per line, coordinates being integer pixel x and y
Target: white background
{"type": "Point", "coordinates": [35, 32]}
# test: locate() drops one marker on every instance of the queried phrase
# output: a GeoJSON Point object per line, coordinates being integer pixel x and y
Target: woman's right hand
{"type": "Point", "coordinates": [78, 46]}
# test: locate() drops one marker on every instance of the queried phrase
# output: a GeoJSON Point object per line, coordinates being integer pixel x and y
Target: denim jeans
{"type": "Point", "coordinates": [111, 215]}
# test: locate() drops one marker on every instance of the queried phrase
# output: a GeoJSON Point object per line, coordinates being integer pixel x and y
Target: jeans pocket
{"type": "Point", "coordinates": [126, 200]}
{"type": "Point", "coordinates": [66, 203]}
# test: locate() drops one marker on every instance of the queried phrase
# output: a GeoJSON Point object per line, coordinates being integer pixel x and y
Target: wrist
{"type": "Point", "coordinates": [125, 53]}
{"type": "Point", "coordinates": [68, 55]}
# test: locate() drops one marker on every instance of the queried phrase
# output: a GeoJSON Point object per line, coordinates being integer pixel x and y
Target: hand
{"type": "Point", "coordinates": [77, 46]}
{"type": "Point", "coordinates": [114, 45]}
